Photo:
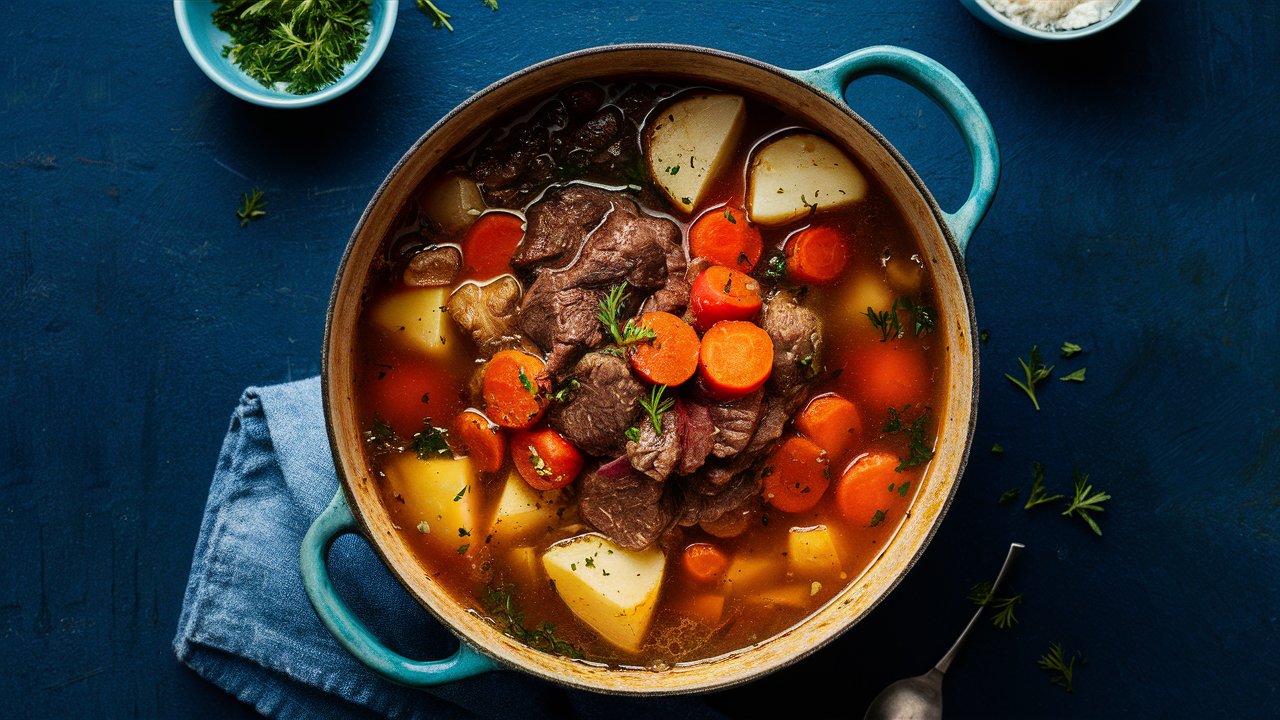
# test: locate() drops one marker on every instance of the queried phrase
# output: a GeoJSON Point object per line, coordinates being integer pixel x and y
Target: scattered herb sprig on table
{"type": "Point", "coordinates": [918, 453]}
{"type": "Point", "coordinates": [1086, 501]}
{"type": "Point", "coordinates": [611, 306]}
{"type": "Point", "coordinates": [1056, 662]}
{"type": "Point", "coordinates": [1077, 376]}
{"type": "Point", "coordinates": [1035, 371]}
{"type": "Point", "coordinates": [1038, 494]}
{"type": "Point", "coordinates": [982, 595]}
{"type": "Point", "coordinates": [439, 18]}
{"type": "Point", "coordinates": [510, 621]}
{"type": "Point", "coordinates": [252, 207]}
{"type": "Point", "coordinates": [302, 45]}
{"type": "Point", "coordinates": [656, 406]}
{"type": "Point", "coordinates": [1070, 349]}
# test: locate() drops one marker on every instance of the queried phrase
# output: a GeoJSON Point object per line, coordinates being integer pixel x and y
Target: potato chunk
{"type": "Point", "coordinates": [452, 202]}
{"type": "Point", "coordinates": [796, 174]}
{"type": "Point", "coordinates": [812, 552]}
{"type": "Point", "coordinates": [523, 510]}
{"type": "Point", "coordinates": [437, 492]}
{"type": "Point", "coordinates": [612, 589]}
{"type": "Point", "coordinates": [690, 142]}
{"type": "Point", "coordinates": [416, 318]}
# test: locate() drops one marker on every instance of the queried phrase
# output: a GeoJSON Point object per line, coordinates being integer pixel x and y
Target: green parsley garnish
{"type": "Point", "coordinates": [776, 267]}
{"type": "Point", "coordinates": [656, 406]}
{"type": "Point", "coordinates": [886, 321]}
{"type": "Point", "coordinates": [463, 532]}
{"type": "Point", "coordinates": [524, 380]}
{"type": "Point", "coordinates": [431, 441]}
{"type": "Point", "coordinates": [540, 466]}
{"type": "Point", "coordinates": [1077, 376]}
{"type": "Point", "coordinates": [300, 47]}
{"type": "Point", "coordinates": [1086, 501]}
{"type": "Point", "coordinates": [1038, 494]}
{"type": "Point", "coordinates": [623, 334]}
{"type": "Point", "coordinates": [510, 620]}
{"type": "Point", "coordinates": [686, 200]}
{"type": "Point", "coordinates": [1055, 661]}
{"type": "Point", "coordinates": [252, 207]}
{"type": "Point", "coordinates": [918, 453]}
{"type": "Point", "coordinates": [463, 548]}
{"type": "Point", "coordinates": [1004, 617]}
{"type": "Point", "coordinates": [922, 319]}
{"type": "Point", "coordinates": [673, 169]}
{"type": "Point", "coordinates": [728, 215]}
{"type": "Point", "coordinates": [463, 491]}
{"type": "Point", "coordinates": [1035, 371]}
{"type": "Point", "coordinates": [889, 325]}
{"type": "Point", "coordinates": [381, 438]}
{"type": "Point", "coordinates": [562, 395]}
{"type": "Point", "coordinates": [1070, 349]}
{"type": "Point", "coordinates": [633, 434]}
{"type": "Point", "coordinates": [877, 518]}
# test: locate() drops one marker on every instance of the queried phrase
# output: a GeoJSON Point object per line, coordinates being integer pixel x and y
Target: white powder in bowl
{"type": "Point", "coordinates": [1055, 15]}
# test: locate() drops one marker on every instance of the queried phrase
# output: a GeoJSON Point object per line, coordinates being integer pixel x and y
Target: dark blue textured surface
{"type": "Point", "coordinates": [1137, 216]}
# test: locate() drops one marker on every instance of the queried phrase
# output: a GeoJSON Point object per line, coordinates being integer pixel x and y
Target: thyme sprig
{"type": "Point", "coordinates": [918, 451]}
{"type": "Point", "coordinates": [1086, 501]}
{"type": "Point", "coordinates": [611, 307]}
{"type": "Point", "coordinates": [252, 207]}
{"type": "Point", "coordinates": [439, 18]}
{"type": "Point", "coordinates": [889, 323]}
{"type": "Point", "coordinates": [656, 406]}
{"type": "Point", "coordinates": [1035, 371]}
{"type": "Point", "coordinates": [1039, 496]}
{"type": "Point", "coordinates": [1063, 669]}
{"type": "Point", "coordinates": [510, 620]}
{"type": "Point", "coordinates": [1004, 618]}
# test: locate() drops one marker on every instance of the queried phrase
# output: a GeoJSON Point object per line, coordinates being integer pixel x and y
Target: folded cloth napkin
{"type": "Point", "coordinates": [247, 626]}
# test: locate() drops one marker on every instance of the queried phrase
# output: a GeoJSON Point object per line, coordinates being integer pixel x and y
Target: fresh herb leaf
{"type": "Point", "coordinates": [776, 267]}
{"type": "Point", "coordinates": [728, 215]}
{"type": "Point", "coordinates": [611, 306]}
{"type": "Point", "coordinates": [1055, 661]}
{"type": "Point", "coordinates": [463, 548]}
{"type": "Point", "coordinates": [877, 518]}
{"type": "Point", "coordinates": [539, 465]}
{"type": "Point", "coordinates": [686, 200]}
{"type": "Point", "coordinates": [439, 18]}
{"type": "Point", "coordinates": [524, 380]}
{"type": "Point", "coordinates": [566, 391]}
{"type": "Point", "coordinates": [431, 441]}
{"type": "Point", "coordinates": [1035, 371]}
{"type": "Point", "coordinates": [673, 169]}
{"type": "Point", "coordinates": [633, 434]}
{"type": "Point", "coordinates": [1070, 349]}
{"type": "Point", "coordinates": [252, 207]}
{"type": "Point", "coordinates": [510, 620]}
{"type": "Point", "coordinates": [983, 336]}
{"type": "Point", "coordinates": [886, 321]}
{"type": "Point", "coordinates": [656, 406]}
{"type": "Point", "coordinates": [1086, 501]}
{"type": "Point", "coordinates": [922, 316]}
{"type": "Point", "coordinates": [381, 438]}
{"type": "Point", "coordinates": [589, 562]}
{"type": "Point", "coordinates": [463, 532]}
{"type": "Point", "coordinates": [463, 491]}
{"type": "Point", "coordinates": [918, 451]}
{"type": "Point", "coordinates": [1038, 494]}
{"type": "Point", "coordinates": [997, 449]}
{"type": "Point", "coordinates": [902, 489]}
{"type": "Point", "coordinates": [300, 47]}
{"type": "Point", "coordinates": [1004, 617]}
{"type": "Point", "coordinates": [1077, 376]}
{"type": "Point", "coordinates": [1009, 495]}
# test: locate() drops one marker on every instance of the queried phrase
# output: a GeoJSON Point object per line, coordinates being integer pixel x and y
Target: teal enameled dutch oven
{"type": "Point", "coordinates": [815, 95]}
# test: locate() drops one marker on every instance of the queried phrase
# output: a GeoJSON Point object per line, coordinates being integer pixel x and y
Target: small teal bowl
{"type": "Point", "coordinates": [205, 42]}
{"type": "Point", "coordinates": [1007, 26]}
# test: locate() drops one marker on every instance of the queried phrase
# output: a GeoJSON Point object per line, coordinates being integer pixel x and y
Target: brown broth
{"type": "Point", "coordinates": [771, 605]}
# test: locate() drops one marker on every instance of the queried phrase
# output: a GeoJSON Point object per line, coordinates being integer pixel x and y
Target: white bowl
{"type": "Point", "coordinates": [1008, 26]}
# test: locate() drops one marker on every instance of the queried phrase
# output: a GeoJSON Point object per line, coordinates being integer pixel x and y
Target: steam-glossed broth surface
{"type": "Point", "coordinates": [445, 308]}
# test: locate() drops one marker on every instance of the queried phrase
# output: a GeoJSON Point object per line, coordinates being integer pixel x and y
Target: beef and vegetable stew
{"type": "Point", "coordinates": [647, 372]}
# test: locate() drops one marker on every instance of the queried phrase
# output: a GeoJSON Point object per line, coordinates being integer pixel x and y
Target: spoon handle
{"type": "Point", "coordinates": [1015, 549]}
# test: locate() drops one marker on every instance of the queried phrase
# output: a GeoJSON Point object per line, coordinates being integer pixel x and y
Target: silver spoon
{"type": "Point", "coordinates": [920, 698]}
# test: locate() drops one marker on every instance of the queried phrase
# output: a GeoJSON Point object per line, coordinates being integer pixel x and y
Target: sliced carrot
{"type": "Point", "coordinates": [720, 293]}
{"type": "Point", "coordinates": [510, 389]}
{"type": "Point", "coordinates": [724, 237]}
{"type": "Point", "coordinates": [796, 475]}
{"type": "Point", "coordinates": [704, 562]}
{"type": "Point", "coordinates": [545, 458]}
{"type": "Point", "coordinates": [735, 360]}
{"type": "Point", "coordinates": [816, 255]}
{"type": "Point", "coordinates": [485, 442]}
{"type": "Point", "coordinates": [489, 245]}
{"type": "Point", "coordinates": [885, 374]}
{"type": "Point", "coordinates": [706, 608]}
{"type": "Point", "coordinates": [870, 492]}
{"type": "Point", "coordinates": [670, 358]}
{"type": "Point", "coordinates": [833, 423]}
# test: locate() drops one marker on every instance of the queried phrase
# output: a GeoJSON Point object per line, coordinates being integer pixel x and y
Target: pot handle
{"type": "Point", "coordinates": [944, 88]}
{"type": "Point", "coordinates": [346, 628]}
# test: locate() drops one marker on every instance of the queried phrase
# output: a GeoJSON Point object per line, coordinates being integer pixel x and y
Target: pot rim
{"type": "Point", "coordinates": [839, 104]}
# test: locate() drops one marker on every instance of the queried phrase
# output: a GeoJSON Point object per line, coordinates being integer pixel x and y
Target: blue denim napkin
{"type": "Point", "coordinates": [246, 624]}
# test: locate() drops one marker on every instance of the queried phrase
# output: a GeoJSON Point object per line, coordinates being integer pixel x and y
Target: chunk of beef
{"type": "Point", "coordinates": [503, 163]}
{"type": "Point", "coordinates": [433, 267]}
{"type": "Point", "coordinates": [775, 411]}
{"type": "Point", "coordinates": [607, 402]}
{"type": "Point", "coordinates": [487, 313]}
{"type": "Point", "coordinates": [704, 497]}
{"type": "Point", "coordinates": [697, 438]}
{"type": "Point", "coordinates": [657, 454]}
{"type": "Point", "coordinates": [735, 423]}
{"type": "Point", "coordinates": [631, 510]}
{"type": "Point", "coordinates": [597, 132]}
{"type": "Point", "coordinates": [560, 309]}
{"type": "Point", "coordinates": [582, 98]}
{"type": "Point", "coordinates": [559, 223]}
{"type": "Point", "coordinates": [797, 342]}
{"type": "Point", "coordinates": [673, 297]}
